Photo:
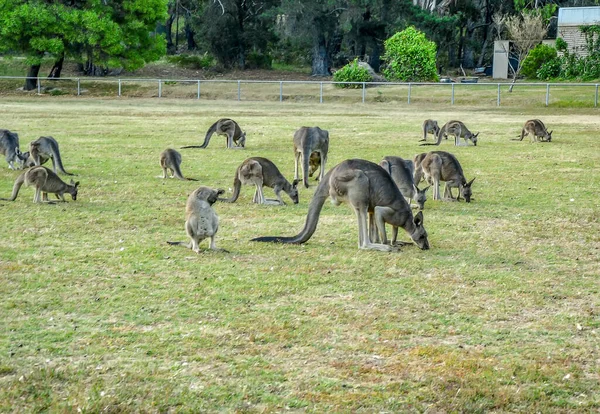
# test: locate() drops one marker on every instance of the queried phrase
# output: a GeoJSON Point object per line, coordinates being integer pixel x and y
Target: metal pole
{"type": "Point", "coordinates": [498, 99]}
{"type": "Point", "coordinates": [39, 86]}
{"type": "Point", "coordinates": [198, 92]}
{"type": "Point", "coordinates": [452, 99]}
{"type": "Point", "coordinates": [409, 87]}
{"type": "Point", "coordinates": [364, 92]}
{"type": "Point", "coordinates": [119, 87]}
{"type": "Point", "coordinates": [596, 99]}
{"type": "Point", "coordinates": [79, 87]}
{"type": "Point", "coordinates": [321, 94]}
{"type": "Point", "coordinates": [547, 94]}
{"type": "Point", "coordinates": [280, 91]}
{"type": "Point", "coordinates": [159, 88]}
{"type": "Point", "coordinates": [239, 90]}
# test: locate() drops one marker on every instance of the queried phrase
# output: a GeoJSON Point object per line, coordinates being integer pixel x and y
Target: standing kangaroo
{"type": "Point", "coordinates": [227, 127]}
{"type": "Point", "coordinates": [306, 141]}
{"type": "Point", "coordinates": [43, 149]}
{"type": "Point", "coordinates": [430, 126]}
{"type": "Point", "coordinates": [9, 147]}
{"type": "Point", "coordinates": [261, 172]}
{"type": "Point", "coordinates": [535, 128]}
{"type": "Point", "coordinates": [375, 199]}
{"type": "Point", "coordinates": [46, 181]}
{"type": "Point", "coordinates": [458, 129]}
{"type": "Point", "coordinates": [170, 159]}
{"type": "Point", "coordinates": [443, 166]}
{"type": "Point", "coordinates": [402, 172]}
{"type": "Point", "coordinates": [201, 220]}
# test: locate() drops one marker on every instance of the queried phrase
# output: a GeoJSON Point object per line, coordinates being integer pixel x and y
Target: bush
{"type": "Point", "coordinates": [204, 61]}
{"type": "Point", "coordinates": [536, 58]}
{"type": "Point", "coordinates": [352, 72]}
{"type": "Point", "coordinates": [410, 57]}
{"type": "Point", "coordinates": [256, 60]}
{"type": "Point", "coordinates": [549, 69]}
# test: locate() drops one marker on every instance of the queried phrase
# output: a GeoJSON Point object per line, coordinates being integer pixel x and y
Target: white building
{"type": "Point", "coordinates": [569, 21]}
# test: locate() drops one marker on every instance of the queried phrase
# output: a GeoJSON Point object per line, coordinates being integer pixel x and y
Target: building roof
{"type": "Point", "coordinates": [578, 16]}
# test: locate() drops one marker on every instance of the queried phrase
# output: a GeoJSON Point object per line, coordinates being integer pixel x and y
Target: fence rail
{"type": "Point", "coordinates": [578, 94]}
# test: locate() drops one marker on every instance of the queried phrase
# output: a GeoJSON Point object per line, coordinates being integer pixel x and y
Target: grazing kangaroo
{"type": "Point", "coordinates": [170, 159]}
{"type": "Point", "coordinates": [306, 141]}
{"type": "Point", "coordinates": [535, 128]}
{"type": "Point", "coordinates": [227, 127]}
{"type": "Point", "coordinates": [430, 126]}
{"type": "Point", "coordinates": [458, 129]}
{"type": "Point", "coordinates": [46, 181]}
{"type": "Point", "coordinates": [41, 150]}
{"type": "Point", "coordinates": [9, 147]}
{"type": "Point", "coordinates": [375, 200]}
{"type": "Point", "coordinates": [402, 172]}
{"type": "Point", "coordinates": [201, 220]}
{"type": "Point", "coordinates": [443, 166]}
{"type": "Point", "coordinates": [261, 172]}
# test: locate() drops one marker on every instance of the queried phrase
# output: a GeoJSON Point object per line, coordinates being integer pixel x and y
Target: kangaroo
{"type": "Point", "coordinates": [41, 150]}
{"type": "Point", "coordinates": [418, 167]}
{"type": "Point", "coordinates": [402, 172]}
{"type": "Point", "coordinates": [535, 128]}
{"type": "Point", "coordinates": [443, 166]}
{"type": "Point", "coordinates": [201, 220]}
{"type": "Point", "coordinates": [9, 147]}
{"type": "Point", "coordinates": [458, 129]}
{"type": "Point", "coordinates": [230, 129]}
{"type": "Point", "coordinates": [430, 126]}
{"type": "Point", "coordinates": [314, 163]}
{"type": "Point", "coordinates": [261, 172]}
{"type": "Point", "coordinates": [46, 181]}
{"type": "Point", "coordinates": [170, 159]}
{"type": "Point", "coordinates": [306, 141]}
{"type": "Point", "coordinates": [375, 199]}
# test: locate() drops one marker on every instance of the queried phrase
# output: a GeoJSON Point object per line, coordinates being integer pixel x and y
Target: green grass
{"type": "Point", "coordinates": [100, 314]}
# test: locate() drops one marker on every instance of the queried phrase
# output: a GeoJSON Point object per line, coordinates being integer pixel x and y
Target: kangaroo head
{"type": "Point", "coordinates": [421, 197]}
{"type": "Point", "coordinates": [419, 235]}
{"type": "Point", "coordinates": [549, 136]}
{"type": "Point", "coordinates": [465, 190]}
{"type": "Point", "coordinates": [209, 194]}
{"type": "Point", "coordinates": [242, 140]}
{"type": "Point", "coordinates": [73, 190]}
{"type": "Point", "coordinates": [293, 193]}
{"type": "Point", "coordinates": [474, 138]}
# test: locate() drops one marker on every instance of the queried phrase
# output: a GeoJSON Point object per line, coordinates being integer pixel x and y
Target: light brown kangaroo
{"type": "Point", "coordinates": [458, 129]}
{"type": "Point", "coordinates": [43, 149]}
{"type": "Point", "coordinates": [306, 141]}
{"type": "Point", "coordinates": [375, 199]}
{"type": "Point", "coordinates": [9, 147]}
{"type": "Point", "coordinates": [314, 163]}
{"type": "Point", "coordinates": [430, 126]}
{"type": "Point", "coordinates": [170, 159]}
{"type": "Point", "coordinates": [230, 129]}
{"type": "Point", "coordinates": [535, 128]}
{"type": "Point", "coordinates": [443, 166]}
{"type": "Point", "coordinates": [261, 172]}
{"type": "Point", "coordinates": [45, 181]}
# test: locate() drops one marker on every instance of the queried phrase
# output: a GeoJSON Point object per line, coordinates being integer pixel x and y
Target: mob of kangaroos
{"type": "Point", "coordinates": [439, 166]}
{"type": "Point", "coordinates": [373, 196]}
{"type": "Point", "coordinates": [261, 172]}
{"type": "Point", "coordinates": [535, 128]}
{"type": "Point", "coordinates": [43, 149]}
{"type": "Point", "coordinates": [458, 129]}
{"type": "Point", "coordinates": [9, 147]}
{"type": "Point", "coordinates": [45, 181]}
{"type": "Point", "coordinates": [230, 129]}
{"type": "Point", "coordinates": [308, 140]}
{"type": "Point", "coordinates": [170, 159]}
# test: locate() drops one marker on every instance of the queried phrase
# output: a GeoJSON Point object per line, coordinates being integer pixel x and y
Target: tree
{"type": "Point", "coordinates": [410, 57]}
{"type": "Point", "coordinates": [97, 32]}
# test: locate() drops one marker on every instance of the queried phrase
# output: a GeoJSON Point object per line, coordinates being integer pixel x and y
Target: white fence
{"type": "Point", "coordinates": [562, 94]}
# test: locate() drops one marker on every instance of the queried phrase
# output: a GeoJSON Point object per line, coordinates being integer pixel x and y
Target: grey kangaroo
{"type": "Point", "coordinates": [9, 147]}
{"type": "Point", "coordinates": [230, 129]}
{"type": "Point", "coordinates": [43, 149]}
{"type": "Point", "coordinates": [314, 163]}
{"type": "Point", "coordinates": [458, 129]}
{"type": "Point", "coordinates": [201, 220]}
{"type": "Point", "coordinates": [375, 199]}
{"type": "Point", "coordinates": [443, 166]}
{"type": "Point", "coordinates": [430, 126]}
{"type": "Point", "coordinates": [170, 159]}
{"type": "Point", "coordinates": [261, 172]}
{"type": "Point", "coordinates": [306, 141]}
{"type": "Point", "coordinates": [402, 172]}
{"type": "Point", "coordinates": [45, 181]}
{"type": "Point", "coordinates": [535, 128]}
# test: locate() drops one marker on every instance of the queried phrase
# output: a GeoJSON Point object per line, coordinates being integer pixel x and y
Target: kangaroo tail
{"type": "Point", "coordinates": [184, 244]}
{"type": "Point", "coordinates": [177, 172]}
{"type": "Point", "coordinates": [237, 184]}
{"type": "Point", "coordinates": [305, 161]}
{"type": "Point", "coordinates": [440, 135]}
{"type": "Point", "coordinates": [58, 161]}
{"type": "Point", "coordinates": [18, 183]}
{"type": "Point", "coordinates": [312, 218]}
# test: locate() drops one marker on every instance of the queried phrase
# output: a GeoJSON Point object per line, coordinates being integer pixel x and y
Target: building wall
{"type": "Point", "coordinates": [569, 20]}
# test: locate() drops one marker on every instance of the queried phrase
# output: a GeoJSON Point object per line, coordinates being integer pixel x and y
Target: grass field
{"type": "Point", "coordinates": [99, 314]}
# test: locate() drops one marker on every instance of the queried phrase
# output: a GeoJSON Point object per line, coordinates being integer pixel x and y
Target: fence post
{"type": "Point", "coordinates": [160, 88]}
{"type": "Point", "coordinates": [498, 99]}
{"type": "Point", "coordinates": [409, 87]}
{"type": "Point", "coordinates": [39, 86]}
{"type": "Point", "coordinates": [280, 91]}
{"type": "Point", "coordinates": [78, 86]}
{"type": "Point", "coordinates": [119, 88]}
{"type": "Point", "coordinates": [239, 90]}
{"type": "Point", "coordinates": [452, 99]}
{"type": "Point", "coordinates": [198, 91]}
{"type": "Point", "coordinates": [596, 99]}
{"type": "Point", "coordinates": [364, 92]}
{"type": "Point", "coordinates": [547, 94]}
{"type": "Point", "coordinates": [321, 94]}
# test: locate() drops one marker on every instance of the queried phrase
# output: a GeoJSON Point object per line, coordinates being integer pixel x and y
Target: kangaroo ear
{"type": "Point", "coordinates": [476, 135]}
{"type": "Point", "coordinates": [425, 189]}
{"type": "Point", "coordinates": [220, 191]}
{"type": "Point", "coordinates": [76, 184]}
{"type": "Point", "coordinates": [295, 183]}
{"type": "Point", "coordinates": [418, 219]}
{"type": "Point", "coordinates": [470, 182]}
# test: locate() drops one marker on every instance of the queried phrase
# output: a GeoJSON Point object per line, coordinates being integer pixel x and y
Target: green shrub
{"type": "Point", "coordinates": [352, 72]}
{"type": "Point", "coordinates": [256, 60]}
{"type": "Point", "coordinates": [549, 69]}
{"type": "Point", "coordinates": [192, 61]}
{"type": "Point", "coordinates": [410, 57]}
{"type": "Point", "coordinates": [536, 58]}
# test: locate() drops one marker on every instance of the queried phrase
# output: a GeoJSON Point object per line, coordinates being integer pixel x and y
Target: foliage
{"type": "Point", "coordinates": [536, 58]}
{"type": "Point", "coordinates": [409, 56]}
{"type": "Point", "coordinates": [352, 72]}
{"type": "Point", "coordinates": [549, 69]}
{"type": "Point", "coordinates": [573, 66]}
{"type": "Point", "coordinates": [257, 60]}
{"type": "Point", "coordinates": [204, 61]}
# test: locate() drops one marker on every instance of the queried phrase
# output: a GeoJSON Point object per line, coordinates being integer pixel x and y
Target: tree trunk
{"type": "Point", "coordinates": [169, 33]}
{"type": "Point", "coordinates": [189, 35]}
{"type": "Point", "coordinates": [31, 81]}
{"type": "Point", "coordinates": [375, 60]}
{"type": "Point", "coordinates": [321, 59]}
{"type": "Point", "coordinates": [57, 68]}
